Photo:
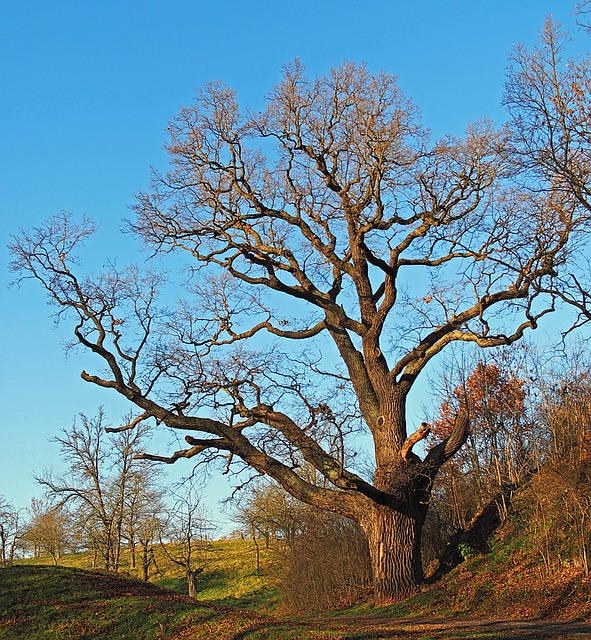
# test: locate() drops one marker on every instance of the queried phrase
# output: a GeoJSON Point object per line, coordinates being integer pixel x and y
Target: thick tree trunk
{"type": "Point", "coordinates": [395, 549]}
{"type": "Point", "coordinates": [394, 535]}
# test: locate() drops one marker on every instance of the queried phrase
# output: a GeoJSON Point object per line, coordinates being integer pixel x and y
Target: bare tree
{"type": "Point", "coordinates": [327, 565]}
{"type": "Point", "coordinates": [187, 531]}
{"type": "Point", "coordinates": [11, 531]}
{"type": "Point", "coordinates": [142, 513]}
{"type": "Point", "coordinates": [266, 511]}
{"type": "Point", "coordinates": [557, 501]}
{"type": "Point", "coordinates": [548, 96]}
{"type": "Point", "coordinates": [336, 251]}
{"type": "Point", "coordinates": [102, 478]}
{"type": "Point", "coordinates": [49, 529]}
{"type": "Point", "coordinates": [149, 531]}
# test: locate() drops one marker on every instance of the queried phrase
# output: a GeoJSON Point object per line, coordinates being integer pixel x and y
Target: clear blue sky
{"type": "Point", "coordinates": [87, 88]}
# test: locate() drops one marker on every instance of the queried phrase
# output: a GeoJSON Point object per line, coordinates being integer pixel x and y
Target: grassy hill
{"type": "Point", "coordinates": [504, 578]}
{"type": "Point", "coordinates": [55, 603]}
{"type": "Point", "coordinates": [229, 574]}
{"type": "Point", "coordinates": [62, 603]}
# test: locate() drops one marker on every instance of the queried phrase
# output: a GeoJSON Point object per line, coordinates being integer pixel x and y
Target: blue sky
{"type": "Point", "coordinates": [86, 91]}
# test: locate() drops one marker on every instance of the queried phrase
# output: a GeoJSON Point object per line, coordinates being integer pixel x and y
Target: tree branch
{"type": "Point", "coordinates": [420, 434]}
{"type": "Point", "coordinates": [443, 451]}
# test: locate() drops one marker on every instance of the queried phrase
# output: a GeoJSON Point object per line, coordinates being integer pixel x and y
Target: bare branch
{"type": "Point", "coordinates": [420, 434]}
{"type": "Point", "coordinates": [442, 452]}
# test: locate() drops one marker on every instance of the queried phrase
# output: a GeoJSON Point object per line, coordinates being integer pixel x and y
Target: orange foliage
{"type": "Point", "coordinates": [491, 396]}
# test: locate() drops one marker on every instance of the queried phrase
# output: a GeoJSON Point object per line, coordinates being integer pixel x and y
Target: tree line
{"type": "Point", "coordinates": [110, 504]}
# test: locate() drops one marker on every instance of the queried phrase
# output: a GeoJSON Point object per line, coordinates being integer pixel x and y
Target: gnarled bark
{"type": "Point", "coordinates": [397, 568]}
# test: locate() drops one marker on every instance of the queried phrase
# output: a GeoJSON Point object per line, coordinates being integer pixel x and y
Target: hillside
{"type": "Point", "coordinates": [229, 574]}
{"type": "Point", "coordinates": [59, 603]}
{"type": "Point", "coordinates": [502, 573]}
{"type": "Point", "coordinates": [44, 602]}
{"type": "Point", "coordinates": [508, 581]}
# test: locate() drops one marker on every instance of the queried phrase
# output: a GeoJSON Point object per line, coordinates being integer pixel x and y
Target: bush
{"type": "Point", "coordinates": [326, 566]}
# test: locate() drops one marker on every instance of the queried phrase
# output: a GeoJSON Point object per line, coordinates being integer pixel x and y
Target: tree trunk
{"type": "Point", "coordinates": [395, 550]}
{"type": "Point", "coordinates": [257, 551]}
{"type": "Point", "coordinates": [133, 561]}
{"type": "Point", "coordinates": [394, 536]}
{"type": "Point", "coordinates": [2, 548]}
{"type": "Point", "coordinates": [145, 561]}
{"type": "Point", "coordinates": [192, 583]}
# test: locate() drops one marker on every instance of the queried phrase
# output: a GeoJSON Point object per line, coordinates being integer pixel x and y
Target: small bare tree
{"type": "Point", "coordinates": [149, 532]}
{"type": "Point", "coordinates": [49, 529]}
{"type": "Point", "coordinates": [142, 515]}
{"type": "Point", "coordinates": [265, 510]}
{"type": "Point", "coordinates": [187, 535]}
{"type": "Point", "coordinates": [102, 477]}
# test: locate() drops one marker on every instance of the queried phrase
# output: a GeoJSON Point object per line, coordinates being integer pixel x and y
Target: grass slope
{"type": "Point", "coordinates": [506, 581]}
{"type": "Point", "coordinates": [59, 603]}
{"type": "Point", "coordinates": [229, 574]}
{"type": "Point", "coordinates": [44, 602]}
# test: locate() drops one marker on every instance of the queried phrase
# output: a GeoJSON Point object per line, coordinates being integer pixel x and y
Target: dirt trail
{"type": "Point", "coordinates": [450, 629]}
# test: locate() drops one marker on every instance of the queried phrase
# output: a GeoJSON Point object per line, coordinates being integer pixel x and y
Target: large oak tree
{"type": "Point", "coordinates": [334, 251]}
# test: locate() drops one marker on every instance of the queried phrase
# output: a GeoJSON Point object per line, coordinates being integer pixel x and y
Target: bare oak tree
{"type": "Point", "coordinates": [336, 251]}
{"type": "Point", "coordinates": [185, 537]}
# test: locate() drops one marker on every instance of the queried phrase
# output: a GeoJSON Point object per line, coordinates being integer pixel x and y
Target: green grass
{"type": "Point", "coordinates": [235, 601]}
{"type": "Point", "coordinates": [59, 603]}
{"type": "Point", "coordinates": [63, 603]}
{"type": "Point", "coordinates": [56, 602]}
{"type": "Point", "coordinates": [229, 576]}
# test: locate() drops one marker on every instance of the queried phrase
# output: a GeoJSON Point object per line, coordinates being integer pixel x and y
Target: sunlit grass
{"type": "Point", "coordinates": [55, 603]}
{"type": "Point", "coordinates": [229, 574]}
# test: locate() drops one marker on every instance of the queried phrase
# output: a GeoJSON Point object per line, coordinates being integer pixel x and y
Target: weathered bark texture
{"type": "Point", "coordinates": [192, 583]}
{"type": "Point", "coordinates": [397, 568]}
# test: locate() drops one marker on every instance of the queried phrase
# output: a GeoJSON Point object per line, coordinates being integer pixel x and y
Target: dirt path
{"type": "Point", "coordinates": [448, 629]}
